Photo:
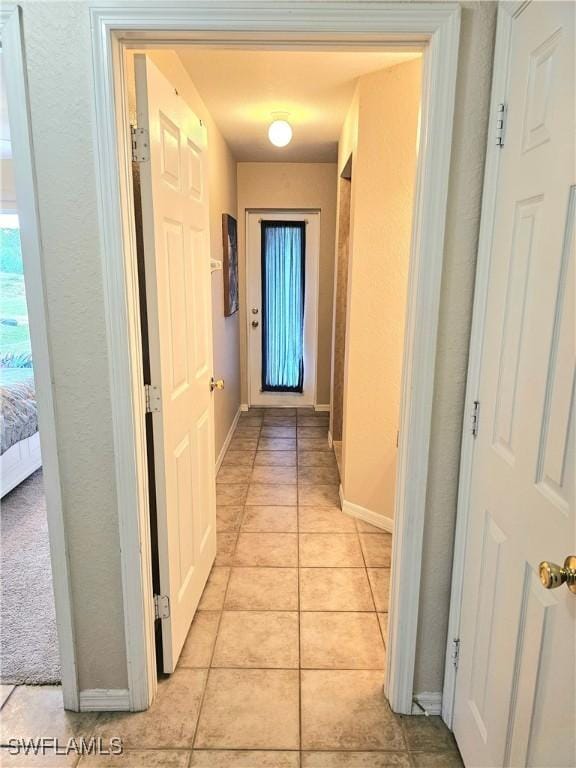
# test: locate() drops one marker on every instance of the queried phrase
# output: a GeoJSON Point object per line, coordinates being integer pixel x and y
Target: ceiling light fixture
{"type": "Point", "coordinates": [280, 130]}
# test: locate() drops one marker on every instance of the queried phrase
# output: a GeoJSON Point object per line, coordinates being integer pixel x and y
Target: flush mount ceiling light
{"type": "Point", "coordinates": [280, 131]}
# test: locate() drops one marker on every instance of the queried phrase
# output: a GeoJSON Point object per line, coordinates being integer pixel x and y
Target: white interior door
{"type": "Point", "coordinates": [256, 314]}
{"type": "Point", "coordinates": [174, 188]}
{"type": "Point", "coordinates": [515, 687]}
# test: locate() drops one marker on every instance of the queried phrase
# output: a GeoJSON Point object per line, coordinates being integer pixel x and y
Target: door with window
{"type": "Point", "coordinates": [515, 687]}
{"type": "Point", "coordinates": [282, 297]}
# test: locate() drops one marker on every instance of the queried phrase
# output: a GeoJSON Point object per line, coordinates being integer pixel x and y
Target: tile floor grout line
{"type": "Point", "coordinates": [203, 698]}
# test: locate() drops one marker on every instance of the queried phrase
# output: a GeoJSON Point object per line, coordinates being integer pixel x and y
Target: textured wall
{"type": "Point", "coordinates": [464, 200]}
{"type": "Point", "coordinates": [57, 40]}
{"type": "Point", "coordinates": [294, 185]}
{"type": "Point", "coordinates": [383, 176]}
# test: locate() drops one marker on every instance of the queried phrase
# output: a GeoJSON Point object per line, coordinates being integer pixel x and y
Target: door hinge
{"type": "Point", "coordinates": [140, 144]}
{"type": "Point", "coordinates": [455, 652]}
{"type": "Point", "coordinates": [161, 607]}
{"type": "Point", "coordinates": [152, 398]}
{"type": "Point", "coordinates": [475, 417]}
{"type": "Point", "coordinates": [500, 124]}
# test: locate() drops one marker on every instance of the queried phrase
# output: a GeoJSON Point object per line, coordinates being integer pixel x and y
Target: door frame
{"type": "Point", "coordinates": [290, 397]}
{"type": "Point", "coordinates": [433, 28]}
{"type": "Point", "coordinates": [14, 70]}
{"type": "Point", "coordinates": [506, 13]}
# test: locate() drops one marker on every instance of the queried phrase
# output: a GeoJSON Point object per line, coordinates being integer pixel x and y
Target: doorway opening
{"type": "Point", "coordinates": [340, 303]}
{"type": "Point", "coordinates": [439, 42]}
{"type": "Point", "coordinates": [28, 640]}
{"type": "Point", "coordinates": [282, 254]}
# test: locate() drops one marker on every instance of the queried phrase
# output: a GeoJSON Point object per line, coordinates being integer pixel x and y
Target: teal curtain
{"type": "Point", "coordinates": [283, 286]}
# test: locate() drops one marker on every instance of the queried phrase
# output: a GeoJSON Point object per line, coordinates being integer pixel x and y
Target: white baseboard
{"type": "Point", "coordinates": [430, 704]}
{"type": "Point", "coordinates": [105, 700]}
{"type": "Point", "coordinates": [322, 408]}
{"type": "Point", "coordinates": [330, 441]}
{"type": "Point", "coordinates": [355, 510]}
{"type": "Point", "coordinates": [229, 436]}
{"type": "Point", "coordinates": [244, 407]}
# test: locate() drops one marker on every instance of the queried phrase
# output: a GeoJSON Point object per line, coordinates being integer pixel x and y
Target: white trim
{"type": "Point", "coordinates": [15, 78]}
{"type": "Point", "coordinates": [421, 333]}
{"type": "Point", "coordinates": [493, 155]}
{"type": "Point", "coordinates": [355, 510]}
{"type": "Point", "coordinates": [430, 704]}
{"type": "Point", "coordinates": [322, 408]}
{"type": "Point", "coordinates": [123, 330]}
{"type": "Point", "coordinates": [330, 440]}
{"type": "Point", "coordinates": [433, 27]}
{"type": "Point", "coordinates": [104, 700]}
{"type": "Point", "coordinates": [244, 407]}
{"type": "Point", "coordinates": [229, 437]}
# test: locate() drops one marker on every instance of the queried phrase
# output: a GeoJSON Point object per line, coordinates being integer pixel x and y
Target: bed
{"type": "Point", "coordinates": [20, 443]}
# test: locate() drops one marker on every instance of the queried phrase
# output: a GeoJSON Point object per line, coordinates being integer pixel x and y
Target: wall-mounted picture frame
{"type": "Point", "coordinates": [230, 264]}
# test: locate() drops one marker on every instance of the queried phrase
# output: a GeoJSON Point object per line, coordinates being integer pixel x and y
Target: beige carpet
{"type": "Point", "coordinates": [28, 642]}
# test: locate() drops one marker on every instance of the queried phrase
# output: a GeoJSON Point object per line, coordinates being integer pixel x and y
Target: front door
{"type": "Point", "coordinates": [174, 189]}
{"type": "Point", "coordinates": [515, 687]}
{"type": "Point", "coordinates": [282, 289]}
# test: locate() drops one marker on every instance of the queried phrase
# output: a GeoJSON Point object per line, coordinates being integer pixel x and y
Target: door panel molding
{"type": "Point", "coordinates": [433, 28]}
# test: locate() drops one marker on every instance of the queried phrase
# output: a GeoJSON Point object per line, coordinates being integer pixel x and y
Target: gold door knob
{"type": "Point", "coordinates": [552, 575]}
{"type": "Point", "coordinates": [255, 323]}
{"type": "Point", "coordinates": [216, 384]}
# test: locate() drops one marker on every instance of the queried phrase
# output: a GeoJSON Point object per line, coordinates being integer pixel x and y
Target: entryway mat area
{"type": "Point", "coordinates": [28, 640]}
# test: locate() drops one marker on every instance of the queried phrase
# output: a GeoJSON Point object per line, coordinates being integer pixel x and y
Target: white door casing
{"type": "Point", "coordinates": [254, 301]}
{"type": "Point", "coordinates": [515, 685]}
{"type": "Point", "coordinates": [294, 24]}
{"type": "Point", "coordinates": [174, 188]}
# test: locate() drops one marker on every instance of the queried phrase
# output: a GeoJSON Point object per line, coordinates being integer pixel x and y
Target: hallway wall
{"type": "Point", "coordinates": [293, 185]}
{"type": "Point", "coordinates": [383, 177]}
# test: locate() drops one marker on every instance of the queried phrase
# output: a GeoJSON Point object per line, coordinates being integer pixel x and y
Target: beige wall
{"type": "Point", "coordinates": [222, 183]}
{"type": "Point", "coordinates": [293, 185]}
{"type": "Point", "coordinates": [7, 188]}
{"type": "Point", "coordinates": [384, 170]}
{"type": "Point", "coordinates": [63, 134]}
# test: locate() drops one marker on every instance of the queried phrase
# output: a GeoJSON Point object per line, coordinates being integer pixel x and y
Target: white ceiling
{"type": "Point", "coordinates": [241, 88]}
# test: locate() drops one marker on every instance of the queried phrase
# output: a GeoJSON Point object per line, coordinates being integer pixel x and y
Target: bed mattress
{"type": "Point", "coordinates": [18, 412]}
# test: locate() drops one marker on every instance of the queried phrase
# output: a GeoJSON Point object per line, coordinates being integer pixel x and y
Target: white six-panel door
{"type": "Point", "coordinates": [515, 688]}
{"type": "Point", "coordinates": [175, 214]}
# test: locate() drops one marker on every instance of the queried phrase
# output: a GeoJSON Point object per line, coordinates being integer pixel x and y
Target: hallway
{"type": "Point", "coordinates": [284, 663]}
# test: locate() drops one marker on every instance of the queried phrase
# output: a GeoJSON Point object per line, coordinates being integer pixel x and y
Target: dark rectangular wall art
{"type": "Point", "coordinates": [230, 264]}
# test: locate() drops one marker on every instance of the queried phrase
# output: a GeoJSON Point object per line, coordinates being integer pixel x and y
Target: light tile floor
{"type": "Point", "coordinates": [284, 663]}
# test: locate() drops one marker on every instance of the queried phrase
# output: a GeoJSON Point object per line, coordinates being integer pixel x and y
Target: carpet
{"type": "Point", "coordinates": [28, 640]}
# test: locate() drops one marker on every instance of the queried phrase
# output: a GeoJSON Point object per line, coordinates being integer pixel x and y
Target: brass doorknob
{"type": "Point", "coordinates": [255, 323]}
{"type": "Point", "coordinates": [552, 575]}
{"type": "Point", "coordinates": [216, 384]}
